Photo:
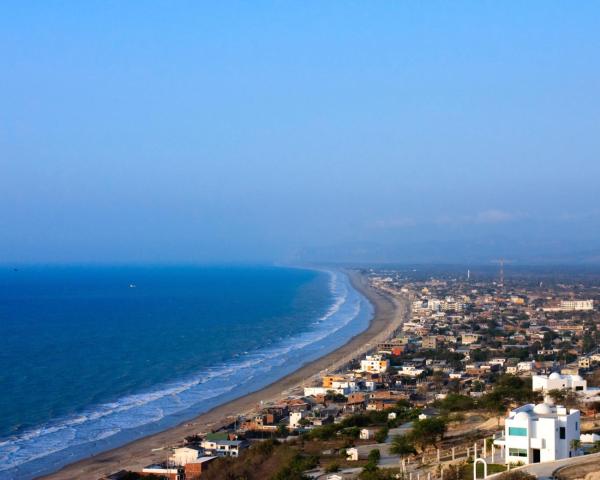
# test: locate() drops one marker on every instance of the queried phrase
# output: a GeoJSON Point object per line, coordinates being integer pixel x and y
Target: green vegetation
{"type": "Point", "coordinates": [265, 460]}
{"type": "Point", "coordinates": [374, 456]}
{"type": "Point", "coordinates": [350, 427]}
{"type": "Point", "coordinates": [455, 402]}
{"type": "Point", "coordinates": [382, 434]}
{"type": "Point", "coordinates": [428, 432]}
{"type": "Point", "coordinates": [372, 472]}
{"type": "Point", "coordinates": [466, 470]}
{"type": "Point", "coordinates": [402, 445]}
{"type": "Point", "coordinates": [508, 389]}
{"type": "Point", "coordinates": [425, 433]}
{"type": "Point", "coordinates": [295, 468]}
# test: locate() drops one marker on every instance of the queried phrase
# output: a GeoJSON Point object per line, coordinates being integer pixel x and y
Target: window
{"type": "Point", "coordinates": [517, 452]}
{"type": "Point", "coordinates": [562, 433]}
{"type": "Point", "coordinates": [579, 388]}
{"type": "Point", "coordinates": [517, 431]}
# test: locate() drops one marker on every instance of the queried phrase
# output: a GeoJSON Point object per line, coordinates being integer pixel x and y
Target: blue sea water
{"type": "Point", "coordinates": [94, 357]}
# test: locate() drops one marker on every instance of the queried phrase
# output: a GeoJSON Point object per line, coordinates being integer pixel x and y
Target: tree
{"type": "Point", "coordinates": [381, 435]}
{"type": "Point", "coordinates": [455, 403]}
{"type": "Point", "coordinates": [402, 445]}
{"type": "Point", "coordinates": [428, 432]}
{"type": "Point", "coordinates": [557, 395]}
{"type": "Point", "coordinates": [374, 456]}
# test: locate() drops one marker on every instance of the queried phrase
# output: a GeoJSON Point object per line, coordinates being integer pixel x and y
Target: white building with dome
{"type": "Point", "coordinates": [540, 433]}
{"type": "Point", "coordinates": [556, 381]}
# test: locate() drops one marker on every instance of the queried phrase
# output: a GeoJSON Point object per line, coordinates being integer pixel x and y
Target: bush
{"type": "Point", "coordinates": [374, 456]}
{"type": "Point", "coordinates": [381, 435]}
{"type": "Point", "coordinates": [402, 445]}
{"type": "Point", "coordinates": [456, 403]}
{"type": "Point", "coordinates": [332, 467]}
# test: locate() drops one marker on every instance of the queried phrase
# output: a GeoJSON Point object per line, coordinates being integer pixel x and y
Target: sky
{"type": "Point", "coordinates": [404, 131]}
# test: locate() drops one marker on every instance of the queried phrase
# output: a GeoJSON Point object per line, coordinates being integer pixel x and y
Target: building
{"type": "Point", "coordinates": [192, 461]}
{"type": "Point", "coordinates": [525, 366]}
{"type": "Point", "coordinates": [469, 338]}
{"type": "Point", "coordinates": [329, 379]}
{"type": "Point", "coordinates": [352, 454]}
{"type": "Point", "coordinates": [556, 381]}
{"type": "Point", "coordinates": [540, 433]}
{"type": "Point", "coordinates": [429, 343]}
{"type": "Point", "coordinates": [295, 418]}
{"type": "Point", "coordinates": [571, 306]}
{"type": "Point", "coordinates": [374, 364]}
{"type": "Point", "coordinates": [223, 448]}
{"type": "Point", "coordinates": [184, 455]}
{"type": "Point", "coordinates": [194, 469]}
{"type": "Point", "coordinates": [410, 371]}
{"type": "Point", "coordinates": [164, 471]}
{"type": "Point", "coordinates": [584, 362]}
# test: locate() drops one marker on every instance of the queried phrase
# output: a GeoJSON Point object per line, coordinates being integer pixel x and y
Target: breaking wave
{"type": "Point", "coordinates": [108, 425]}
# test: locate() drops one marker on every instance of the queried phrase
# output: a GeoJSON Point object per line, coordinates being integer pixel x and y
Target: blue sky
{"type": "Point", "coordinates": [274, 131]}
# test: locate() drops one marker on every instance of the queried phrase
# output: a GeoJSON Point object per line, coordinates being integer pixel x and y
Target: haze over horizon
{"type": "Point", "coordinates": [312, 131]}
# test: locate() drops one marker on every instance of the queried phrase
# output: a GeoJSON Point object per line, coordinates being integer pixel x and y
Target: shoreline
{"type": "Point", "coordinates": [388, 316]}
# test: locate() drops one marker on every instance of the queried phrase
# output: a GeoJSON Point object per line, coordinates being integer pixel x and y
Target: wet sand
{"type": "Point", "coordinates": [388, 316]}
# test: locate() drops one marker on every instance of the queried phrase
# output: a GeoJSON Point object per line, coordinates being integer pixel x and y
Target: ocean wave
{"type": "Point", "coordinates": [107, 420]}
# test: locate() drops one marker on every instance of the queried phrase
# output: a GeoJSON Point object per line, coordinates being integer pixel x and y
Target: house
{"type": "Point", "coordinates": [214, 444]}
{"type": "Point", "coordinates": [374, 364]}
{"type": "Point", "coordinates": [184, 455]}
{"type": "Point", "coordinates": [352, 454]}
{"type": "Point", "coordinates": [329, 379]}
{"type": "Point", "coordinates": [366, 434]}
{"type": "Point", "coordinates": [556, 381]}
{"type": "Point", "coordinates": [295, 418]}
{"type": "Point", "coordinates": [428, 413]}
{"type": "Point", "coordinates": [540, 433]}
{"type": "Point", "coordinates": [469, 338]}
{"type": "Point", "coordinates": [525, 366]}
{"type": "Point", "coordinates": [589, 438]}
{"type": "Point", "coordinates": [194, 469]}
{"type": "Point", "coordinates": [410, 371]}
{"type": "Point", "coordinates": [164, 471]}
{"type": "Point", "coordinates": [584, 362]}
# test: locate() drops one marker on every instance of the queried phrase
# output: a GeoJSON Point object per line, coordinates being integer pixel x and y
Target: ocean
{"type": "Point", "coordinates": [94, 357]}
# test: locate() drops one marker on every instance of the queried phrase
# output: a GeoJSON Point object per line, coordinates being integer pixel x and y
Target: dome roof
{"type": "Point", "coordinates": [522, 416]}
{"type": "Point", "coordinates": [542, 409]}
{"type": "Point", "coordinates": [555, 376]}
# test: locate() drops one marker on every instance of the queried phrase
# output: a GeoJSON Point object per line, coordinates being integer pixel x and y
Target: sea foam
{"type": "Point", "coordinates": [108, 425]}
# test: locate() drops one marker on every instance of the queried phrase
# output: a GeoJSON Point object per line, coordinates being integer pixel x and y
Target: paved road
{"type": "Point", "coordinates": [546, 469]}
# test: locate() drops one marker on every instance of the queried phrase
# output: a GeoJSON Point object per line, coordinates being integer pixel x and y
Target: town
{"type": "Point", "coordinates": [491, 375]}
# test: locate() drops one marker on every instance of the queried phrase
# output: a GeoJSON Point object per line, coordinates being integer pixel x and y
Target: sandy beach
{"type": "Point", "coordinates": [388, 316]}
